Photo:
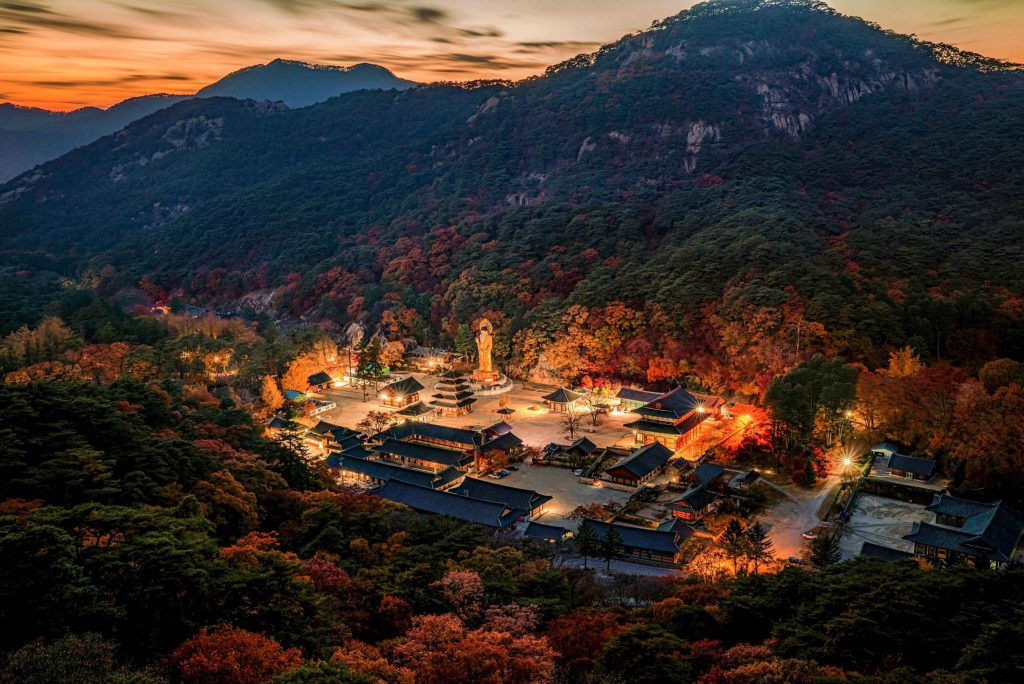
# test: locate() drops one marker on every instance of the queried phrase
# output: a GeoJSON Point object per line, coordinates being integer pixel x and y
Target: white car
{"type": "Point", "coordinates": [578, 472]}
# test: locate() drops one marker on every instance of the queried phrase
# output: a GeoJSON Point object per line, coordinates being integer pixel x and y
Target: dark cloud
{"type": "Point", "coordinates": [130, 78]}
{"type": "Point", "coordinates": [427, 15]}
{"type": "Point", "coordinates": [946, 23]}
{"type": "Point", "coordinates": [543, 44]}
{"type": "Point", "coordinates": [28, 15]}
{"type": "Point", "coordinates": [490, 61]}
{"type": "Point", "coordinates": [25, 7]}
{"type": "Point", "coordinates": [12, 30]}
{"type": "Point", "coordinates": [484, 32]}
{"type": "Point", "coordinates": [308, 6]}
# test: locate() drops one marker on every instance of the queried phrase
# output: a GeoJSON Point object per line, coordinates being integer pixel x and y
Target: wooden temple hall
{"type": "Point", "coordinates": [673, 419]}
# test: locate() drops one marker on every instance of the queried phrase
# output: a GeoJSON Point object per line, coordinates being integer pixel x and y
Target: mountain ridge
{"type": "Point", "coordinates": [788, 160]}
{"type": "Point", "coordinates": [31, 135]}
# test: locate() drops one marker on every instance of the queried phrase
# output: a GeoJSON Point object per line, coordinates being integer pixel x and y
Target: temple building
{"type": "Point", "coordinates": [492, 514]}
{"type": "Point", "coordinates": [980, 534]}
{"type": "Point", "coordinates": [318, 382]}
{"type": "Point", "coordinates": [673, 419]}
{"type": "Point", "coordinates": [660, 546]}
{"type": "Point", "coordinates": [521, 499]}
{"type": "Point", "coordinates": [641, 466]}
{"type": "Point", "coordinates": [694, 504]}
{"type": "Point", "coordinates": [453, 396]}
{"type": "Point", "coordinates": [374, 472]}
{"type": "Point", "coordinates": [911, 468]}
{"type": "Point", "coordinates": [418, 411]}
{"type": "Point", "coordinates": [561, 400]}
{"type": "Point", "coordinates": [402, 393]}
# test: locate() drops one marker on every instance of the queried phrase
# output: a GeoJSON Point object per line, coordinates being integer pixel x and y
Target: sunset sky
{"type": "Point", "coordinates": [64, 54]}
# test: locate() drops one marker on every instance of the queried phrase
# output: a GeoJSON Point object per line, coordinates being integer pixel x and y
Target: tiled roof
{"type": "Point", "coordinates": [411, 429]}
{"type": "Point", "coordinates": [279, 423]}
{"type": "Point", "coordinates": [513, 497]}
{"type": "Point", "coordinates": [561, 396]}
{"type": "Point", "coordinates": [946, 504]}
{"type": "Point", "coordinates": [870, 550]}
{"type": "Point", "coordinates": [638, 537]}
{"type": "Point", "coordinates": [672, 405]}
{"type": "Point", "coordinates": [990, 530]}
{"type": "Point", "coordinates": [630, 394]}
{"type": "Point", "coordinates": [403, 388]}
{"type": "Point", "coordinates": [506, 442]}
{"type": "Point", "coordinates": [676, 525]}
{"type": "Point", "coordinates": [916, 466]}
{"type": "Point", "coordinates": [644, 460]}
{"type": "Point", "coordinates": [707, 472]}
{"type": "Point", "coordinates": [385, 472]}
{"type": "Point", "coordinates": [653, 427]}
{"type": "Point", "coordinates": [660, 428]}
{"type": "Point", "coordinates": [425, 500]}
{"type": "Point", "coordinates": [582, 444]}
{"type": "Point", "coordinates": [323, 427]}
{"type": "Point", "coordinates": [551, 533]}
{"type": "Point", "coordinates": [697, 499]}
{"type": "Point", "coordinates": [500, 428]}
{"type": "Point", "coordinates": [414, 410]}
{"type": "Point", "coordinates": [747, 477]}
{"type": "Point", "coordinates": [424, 452]}
{"type": "Point", "coordinates": [320, 378]}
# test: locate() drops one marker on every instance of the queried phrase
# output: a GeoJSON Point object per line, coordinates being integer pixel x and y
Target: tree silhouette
{"type": "Point", "coordinates": [586, 541]}
{"type": "Point", "coordinates": [824, 551]}
{"type": "Point", "coordinates": [611, 546]}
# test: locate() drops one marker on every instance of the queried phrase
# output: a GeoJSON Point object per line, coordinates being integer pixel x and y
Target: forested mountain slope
{"type": "Point", "coordinates": [737, 173]}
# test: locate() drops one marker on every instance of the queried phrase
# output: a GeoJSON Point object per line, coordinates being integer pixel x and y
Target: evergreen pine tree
{"type": "Point", "coordinates": [611, 546]}
{"type": "Point", "coordinates": [586, 541]}
{"type": "Point", "coordinates": [825, 551]}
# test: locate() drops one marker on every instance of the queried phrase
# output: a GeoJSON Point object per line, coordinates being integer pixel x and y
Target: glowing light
{"type": "Point", "coordinates": [701, 409]}
{"type": "Point", "coordinates": [847, 462]}
{"type": "Point", "coordinates": [383, 396]}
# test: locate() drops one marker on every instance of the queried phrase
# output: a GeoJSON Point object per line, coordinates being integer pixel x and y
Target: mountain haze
{"type": "Point", "coordinates": [30, 136]}
{"type": "Point", "coordinates": [740, 158]}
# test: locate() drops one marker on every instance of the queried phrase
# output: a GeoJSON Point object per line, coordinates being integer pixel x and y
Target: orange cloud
{"type": "Point", "coordinates": [62, 54]}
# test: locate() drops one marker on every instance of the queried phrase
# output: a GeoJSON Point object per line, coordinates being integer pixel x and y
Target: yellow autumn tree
{"type": "Point", "coordinates": [903, 363]}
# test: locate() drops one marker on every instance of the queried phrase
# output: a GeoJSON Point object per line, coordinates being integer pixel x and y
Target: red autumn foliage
{"type": "Point", "coordinates": [439, 650]}
{"type": "Point", "coordinates": [578, 639]}
{"type": "Point", "coordinates": [228, 655]}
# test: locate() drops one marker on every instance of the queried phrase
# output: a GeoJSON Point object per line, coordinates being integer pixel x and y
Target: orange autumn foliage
{"type": "Point", "coordinates": [439, 650]}
{"type": "Point", "coordinates": [228, 655]}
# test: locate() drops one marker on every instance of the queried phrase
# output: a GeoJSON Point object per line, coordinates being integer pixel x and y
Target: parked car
{"type": "Point", "coordinates": [578, 472]}
{"type": "Point", "coordinates": [793, 560]}
{"type": "Point", "coordinates": [809, 535]}
{"type": "Point", "coordinates": [513, 467]}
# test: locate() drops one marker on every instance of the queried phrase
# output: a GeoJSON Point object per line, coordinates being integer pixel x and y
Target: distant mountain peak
{"type": "Point", "coordinates": [300, 84]}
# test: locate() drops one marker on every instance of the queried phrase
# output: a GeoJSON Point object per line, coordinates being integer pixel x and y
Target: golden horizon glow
{"type": "Point", "coordinates": [66, 54]}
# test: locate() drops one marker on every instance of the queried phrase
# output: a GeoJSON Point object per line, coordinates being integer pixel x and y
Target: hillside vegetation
{"type": "Point", "coordinates": [740, 176]}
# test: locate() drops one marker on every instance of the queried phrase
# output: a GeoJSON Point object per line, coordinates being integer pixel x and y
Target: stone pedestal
{"type": "Point", "coordinates": [486, 378]}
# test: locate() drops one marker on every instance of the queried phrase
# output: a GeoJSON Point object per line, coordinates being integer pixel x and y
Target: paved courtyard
{"type": "Point", "coordinates": [881, 521]}
{"type": "Point", "coordinates": [567, 489]}
{"type": "Point", "coordinates": [794, 514]}
{"type": "Point", "coordinates": [534, 424]}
